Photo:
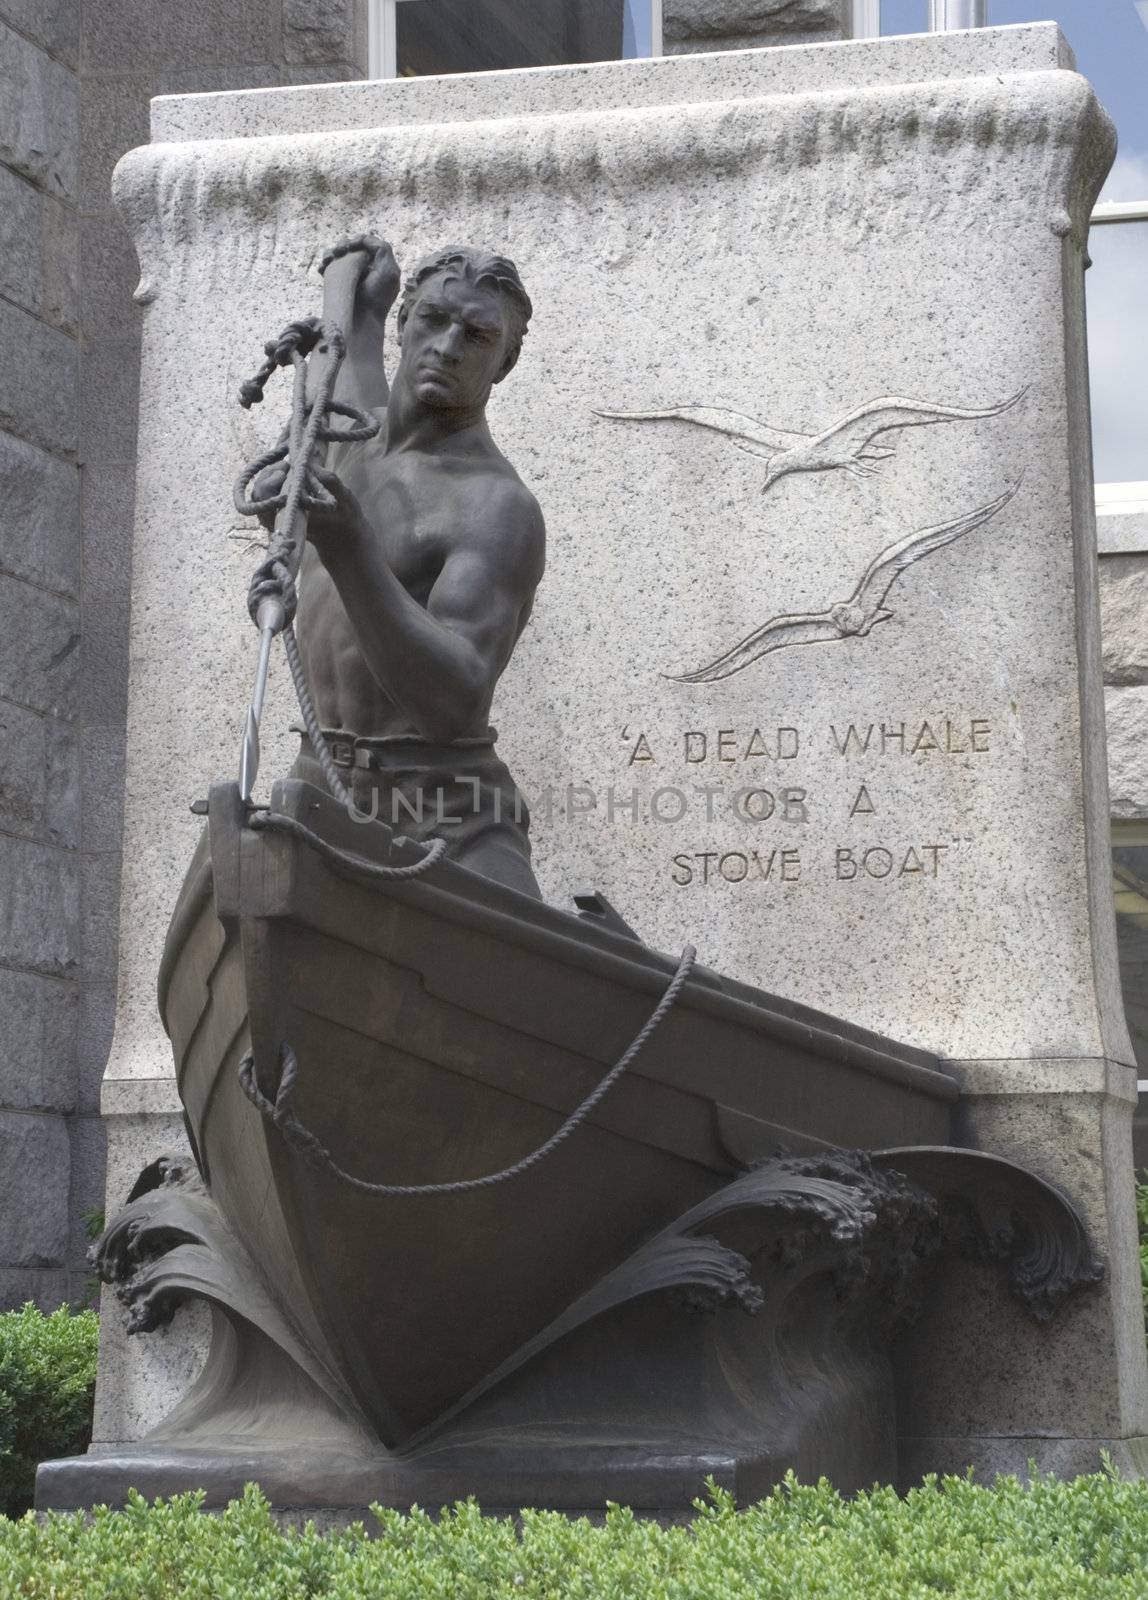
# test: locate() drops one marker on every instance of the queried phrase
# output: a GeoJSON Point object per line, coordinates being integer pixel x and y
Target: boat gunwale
{"type": "Point", "coordinates": [612, 955]}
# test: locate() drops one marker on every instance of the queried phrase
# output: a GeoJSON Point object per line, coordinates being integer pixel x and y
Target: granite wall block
{"type": "Point", "coordinates": [46, 1288]}
{"type": "Point", "coordinates": [21, 266]}
{"type": "Point", "coordinates": [40, 908]}
{"type": "Point", "coordinates": [38, 251]}
{"type": "Point", "coordinates": [689, 25]}
{"type": "Point", "coordinates": [52, 24]}
{"type": "Point", "coordinates": [39, 516]}
{"type": "Point", "coordinates": [100, 903]}
{"type": "Point", "coordinates": [38, 395]}
{"type": "Point", "coordinates": [38, 1021]}
{"type": "Point", "coordinates": [322, 31]}
{"type": "Point", "coordinates": [38, 114]}
{"type": "Point", "coordinates": [123, 36]}
{"type": "Point", "coordinates": [113, 117]}
{"type": "Point", "coordinates": [59, 301]}
{"type": "Point", "coordinates": [39, 653]}
{"type": "Point", "coordinates": [1124, 619]}
{"type": "Point", "coordinates": [39, 776]}
{"type": "Point", "coordinates": [1126, 719]}
{"type": "Point", "coordinates": [34, 1188]}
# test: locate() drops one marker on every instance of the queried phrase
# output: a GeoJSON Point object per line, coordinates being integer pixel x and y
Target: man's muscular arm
{"type": "Point", "coordinates": [440, 664]}
{"type": "Point", "coordinates": [362, 379]}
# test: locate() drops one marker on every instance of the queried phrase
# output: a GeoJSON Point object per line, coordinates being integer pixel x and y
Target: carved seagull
{"type": "Point", "coordinates": [852, 618]}
{"type": "Point", "coordinates": [845, 443]}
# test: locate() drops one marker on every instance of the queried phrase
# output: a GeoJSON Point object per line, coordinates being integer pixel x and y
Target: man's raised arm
{"type": "Point", "coordinates": [362, 379]}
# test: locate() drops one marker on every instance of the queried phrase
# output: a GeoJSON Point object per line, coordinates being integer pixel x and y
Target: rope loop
{"type": "Point", "coordinates": [347, 859]}
{"type": "Point", "coordinates": [281, 1114]}
{"type": "Point", "coordinates": [363, 426]}
{"type": "Point", "coordinates": [298, 339]}
{"type": "Point", "coordinates": [266, 503]}
{"type": "Point", "coordinates": [368, 242]}
{"type": "Point", "coordinates": [272, 580]}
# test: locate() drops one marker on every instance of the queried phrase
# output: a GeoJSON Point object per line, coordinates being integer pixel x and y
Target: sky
{"type": "Point", "coordinates": [1110, 39]}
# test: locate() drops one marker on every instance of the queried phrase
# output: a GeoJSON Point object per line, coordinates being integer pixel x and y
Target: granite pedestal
{"type": "Point", "coordinates": [837, 719]}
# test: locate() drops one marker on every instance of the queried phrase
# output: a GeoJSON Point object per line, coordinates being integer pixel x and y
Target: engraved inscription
{"type": "Point", "coordinates": [877, 861]}
{"type": "Point", "coordinates": [728, 745]}
{"type": "Point", "coordinates": [737, 866]}
{"type": "Point", "coordinates": [912, 739]}
{"type": "Point", "coordinates": [732, 778]}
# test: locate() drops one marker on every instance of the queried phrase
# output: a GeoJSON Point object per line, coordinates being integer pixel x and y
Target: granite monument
{"type": "Point", "coordinates": [812, 683]}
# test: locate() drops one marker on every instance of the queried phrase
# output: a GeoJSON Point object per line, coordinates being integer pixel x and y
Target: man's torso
{"type": "Point", "coordinates": [420, 507]}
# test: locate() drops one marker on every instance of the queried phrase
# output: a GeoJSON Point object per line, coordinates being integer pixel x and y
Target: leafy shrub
{"type": "Point", "coordinates": [47, 1383]}
{"type": "Point", "coordinates": [1085, 1540]}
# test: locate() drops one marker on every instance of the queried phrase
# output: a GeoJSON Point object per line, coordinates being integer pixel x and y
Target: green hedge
{"type": "Point", "coordinates": [1085, 1540]}
{"type": "Point", "coordinates": [47, 1382]}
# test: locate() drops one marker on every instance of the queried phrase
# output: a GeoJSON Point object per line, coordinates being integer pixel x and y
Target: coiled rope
{"type": "Point", "coordinates": [281, 1114]}
{"type": "Point", "coordinates": [347, 859]}
{"type": "Point", "coordinates": [302, 489]}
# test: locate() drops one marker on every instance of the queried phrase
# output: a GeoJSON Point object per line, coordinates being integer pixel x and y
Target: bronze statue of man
{"type": "Point", "coordinates": [416, 589]}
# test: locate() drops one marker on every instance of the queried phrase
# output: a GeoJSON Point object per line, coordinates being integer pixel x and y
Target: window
{"type": "Point", "coordinates": [872, 18]}
{"type": "Point", "coordinates": [1110, 40]}
{"type": "Point", "coordinates": [1118, 343]}
{"type": "Point", "coordinates": [419, 38]}
{"type": "Point", "coordinates": [1130, 884]}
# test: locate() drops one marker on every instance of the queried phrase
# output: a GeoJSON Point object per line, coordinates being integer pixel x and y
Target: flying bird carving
{"type": "Point", "coordinates": [852, 618]}
{"type": "Point", "coordinates": [847, 443]}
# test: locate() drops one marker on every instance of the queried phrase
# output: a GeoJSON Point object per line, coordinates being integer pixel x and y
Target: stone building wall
{"type": "Point", "coordinates": [1122, 538]}
{"type": "Point", "coordinates": [1124, 619]}
{"type": "Point", "coordinates": [74, 90]}
{"type": "Point", "coordinates": [691, 25]}
{"type": "Point", "coordinates": [41, 573]}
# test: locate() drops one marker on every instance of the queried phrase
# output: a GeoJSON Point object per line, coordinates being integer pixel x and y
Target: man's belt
{"type": "Point", "coordinates": [342, 751]}
{"type": "Point", "coordinates": [364, 752]}
{"type": "Point", "coordinates": [346, 753]}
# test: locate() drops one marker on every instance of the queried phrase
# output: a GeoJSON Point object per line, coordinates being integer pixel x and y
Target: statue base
{"type": "Point", "coordinates": [502, 1479]}
{"type": "Point", "coordinates": [755, 1336]}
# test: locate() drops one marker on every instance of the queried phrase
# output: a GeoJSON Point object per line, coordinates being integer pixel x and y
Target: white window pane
{"type": "Point", "coordinates": [1118, 350]}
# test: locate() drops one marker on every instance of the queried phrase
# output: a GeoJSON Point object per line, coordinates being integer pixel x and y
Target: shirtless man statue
{"type": "Point", "coordinates": [416, 588]}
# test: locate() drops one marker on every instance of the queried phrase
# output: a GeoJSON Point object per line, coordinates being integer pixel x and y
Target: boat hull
{"type": "Point", "coordinates": [444, 1027]}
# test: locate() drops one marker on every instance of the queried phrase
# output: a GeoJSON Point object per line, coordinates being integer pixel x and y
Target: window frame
{"type": "Point", "coordinates": [944, 16]}
{"type": "Point", "coordinates": [1121, 504]}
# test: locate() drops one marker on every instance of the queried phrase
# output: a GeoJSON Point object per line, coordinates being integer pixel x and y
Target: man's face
{"type": "Point", "coordinates": [454, 342]}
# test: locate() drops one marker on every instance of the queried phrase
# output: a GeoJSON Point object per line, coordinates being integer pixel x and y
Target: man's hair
{"type": "Point", "coordinates": [480, 266]}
